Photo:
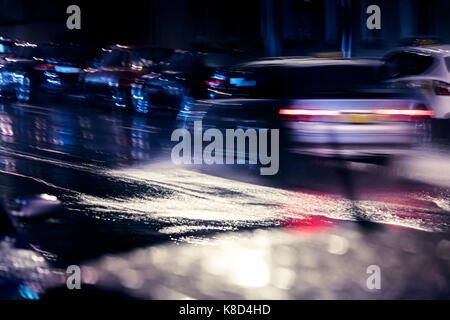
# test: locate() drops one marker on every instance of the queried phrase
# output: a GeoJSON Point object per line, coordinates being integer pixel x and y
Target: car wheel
{"type": "Point", "coordinates": [119, 97]}
{"type": "Point", "coordinates": [141, 102]}
{"type": "Point", "coordinates": [424, 133]}
{"type": "Point", "coordinates": [186, 100]}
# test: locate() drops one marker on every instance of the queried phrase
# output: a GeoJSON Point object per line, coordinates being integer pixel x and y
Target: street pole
{"type": "Point", "coordinates": [347, 35]}
{"type": "Point", "coordinates": [270, 28]}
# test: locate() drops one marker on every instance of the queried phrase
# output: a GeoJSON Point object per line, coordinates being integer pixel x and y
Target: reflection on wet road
{"type": "Point", "coordinates": [112, 171]}
{"type": "Point", "coordinates": [116, 165]}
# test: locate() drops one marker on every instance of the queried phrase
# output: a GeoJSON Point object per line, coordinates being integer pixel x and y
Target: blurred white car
{"type": "Point", "coordinates": [426, 69]}
{"type": "Point", "coordinates": [330, 108]}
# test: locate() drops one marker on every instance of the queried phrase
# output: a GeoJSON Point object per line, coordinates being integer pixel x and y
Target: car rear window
{"type": "Point", "coordinates": [307, 81]}
{"type": "Point", "coordinates": [405, 64]}
{"type": "Point", "coordinates": [114, 58]}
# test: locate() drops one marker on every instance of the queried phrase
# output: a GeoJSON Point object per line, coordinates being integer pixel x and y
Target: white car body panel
{"type": "Point", "coordinates": [439, 71]}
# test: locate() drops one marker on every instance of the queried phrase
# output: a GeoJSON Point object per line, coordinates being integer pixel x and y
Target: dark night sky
{"type": "Point", "coordinates": [102, 21]}
{"type": "Point", "coordinates": [129, 22]}
{"type": "Point", "coordinates": [300, 26]}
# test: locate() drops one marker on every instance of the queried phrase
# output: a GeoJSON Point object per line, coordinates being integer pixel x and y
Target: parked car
{"type": "Point", "coordinates": [426, 69]}
{"type": "Point", "coordinates": [331, 108]}
{"type": "Point", "coordinates": [184, 77]}
{"type": "Point", "coordinates": [61, 68]}
{"type": "Point", "coordinates": [32, 70]}
{"type": "Point", "coordinates": [109, 78]}
{"type": "Point", "coordinates": [16, 71]}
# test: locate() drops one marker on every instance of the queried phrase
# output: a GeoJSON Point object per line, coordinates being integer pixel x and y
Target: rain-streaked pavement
{"type": "Point", "coordinates": [221, 232]}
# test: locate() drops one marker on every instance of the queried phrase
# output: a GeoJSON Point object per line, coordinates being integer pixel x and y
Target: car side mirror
{"type": "Point", "coordinates": [36, 207]}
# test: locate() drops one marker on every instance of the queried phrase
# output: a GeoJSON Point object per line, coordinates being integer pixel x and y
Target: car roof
{"type": "Point", "coordinates": [434, 50]}
{"type": "Point", "coordinates": [304, 62]}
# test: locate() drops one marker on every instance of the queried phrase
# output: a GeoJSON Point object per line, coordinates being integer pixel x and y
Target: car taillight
{"type": "Point", "coordinates": [307, 114]}
{"type": "Point", "coordinates": [441, 88]}
{"type": "Point", "coordinates": [419, 113]}
{"type": "Point", "coordinates": [216, 80]}
{"type": "Point", "coordinates": [404, 112]}
{"type": "Point", "coordinates": [214, 83]}
{"type": "Point", "coordinates": [45, 67]}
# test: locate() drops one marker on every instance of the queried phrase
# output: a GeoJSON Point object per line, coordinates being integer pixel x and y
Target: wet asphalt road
{"type": "Point", "coordinates": [120, 191]}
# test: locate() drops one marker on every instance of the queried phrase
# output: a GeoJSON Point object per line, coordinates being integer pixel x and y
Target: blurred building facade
{"type": "Point", "coordinates": [340, 25]}
{"type": "Point", "coordinates": [269, 27]}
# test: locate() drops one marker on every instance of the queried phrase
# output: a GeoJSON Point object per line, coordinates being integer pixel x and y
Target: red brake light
{"type": "Point", "coordinates": [44, 67]}
{"type": "Point", "coordinates": [407, 112]}
{"type": "Point", "coordinates": [441, 88]}
{"type": "Point", "coordinates": [306, 112]}
{"type": "Point", "coordinates": [213, 83]}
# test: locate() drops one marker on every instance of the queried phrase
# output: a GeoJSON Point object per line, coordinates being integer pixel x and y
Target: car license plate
{"type": "Point", "coordinates": [362, 118]}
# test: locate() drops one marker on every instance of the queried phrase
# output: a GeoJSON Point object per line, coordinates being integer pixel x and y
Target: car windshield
{"type": "Point", "coordinates": [180, 62]}
{"type": "Point", "coordinates": [74, 54]}
{"type": "Point", "coordinates": [24, 52]}
{"type": "Point", "coordinates": [146, 57]}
